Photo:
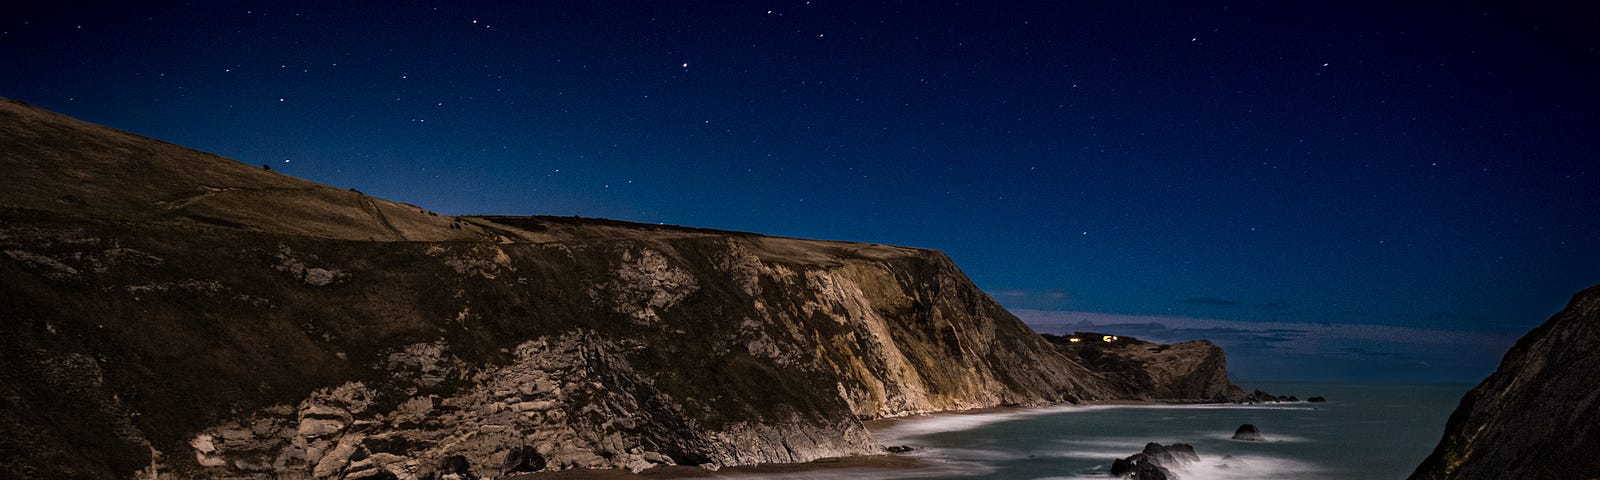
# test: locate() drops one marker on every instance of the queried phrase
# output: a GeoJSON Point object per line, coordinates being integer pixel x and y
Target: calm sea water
{"type": "Point", "coordinates": [1363, 432]}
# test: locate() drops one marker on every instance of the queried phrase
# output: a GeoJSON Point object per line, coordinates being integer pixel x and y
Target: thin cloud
{"type": "Point", "coordinates": [1212, 302]}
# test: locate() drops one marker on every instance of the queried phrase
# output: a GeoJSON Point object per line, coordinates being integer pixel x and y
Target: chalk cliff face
{"type": "Point", "coordinates": [1538, 415]}
{"type": "Point", "coordinates": [1138, 370]}
{"type": "Point", "coordinates": [172, 313]}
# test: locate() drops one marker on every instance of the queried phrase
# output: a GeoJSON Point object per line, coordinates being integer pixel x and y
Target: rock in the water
{"type": "Point", "coordinates": [898, 449]}
{"type": "Point", "coordinates": [1316, 400]}
{"type": "Point", "coordinates": [1260, 396]}
{"type": "Point", "coordinates": [1155, 462]}
{"type": "Point", "coordinates": [1249, 433]}
{"type": "Point", "coordinates": [1537, 416]}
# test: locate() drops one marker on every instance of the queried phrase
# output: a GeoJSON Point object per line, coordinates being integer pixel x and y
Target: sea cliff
{"type": "Point", "coordinates": [1538, 414]}
{"type": "Point", "coordinates": [168, 312]}
{"type": "Point", "coordinates": [1192, 371]}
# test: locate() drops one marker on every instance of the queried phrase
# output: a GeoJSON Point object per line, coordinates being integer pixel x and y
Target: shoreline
{"type": "Point", "coordinates": [884, 430]}
{"type": "Point", "coordinates": [864, 464]}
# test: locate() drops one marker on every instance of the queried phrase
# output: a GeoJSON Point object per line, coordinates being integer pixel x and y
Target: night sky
{"type": "Point", "coordinates": [1350, 192]}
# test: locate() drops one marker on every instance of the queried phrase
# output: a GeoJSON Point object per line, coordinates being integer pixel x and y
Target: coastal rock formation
{"type": "Point", "coordinates": [1139, 370]}
{"type": "Point", "coordinates": [1538, 414]}
{"type": "Point", "coordinates": [1249, 433]}
{"type": "Point", "coordinates": [166, 313]}
{"type": "Point", "coordinates": [1155, 462]}
{"type": "Point", "coordinates": [1259, 396]}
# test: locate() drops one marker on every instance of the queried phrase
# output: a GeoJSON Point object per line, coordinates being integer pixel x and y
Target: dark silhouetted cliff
{"type": "Point", "coordinates": [1538, 415]}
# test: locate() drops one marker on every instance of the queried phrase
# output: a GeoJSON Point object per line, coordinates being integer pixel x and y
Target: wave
{"type": "Point", "coordinates": [953, 422]}
{"type": "Point", "coordinates": [1270, 438]}
{"type": "Point", "coordinates": [908, 427]}
{"type": "Point", "coordinates": [1244, 467]}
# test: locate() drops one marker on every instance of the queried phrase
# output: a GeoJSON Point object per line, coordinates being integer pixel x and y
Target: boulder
{"type": "Point", "coordinates": [1155, 462]}
{"type": "Point", "coordinates": [1316, 400]}
{"type": "Point", "coordinates": [1249, 433]}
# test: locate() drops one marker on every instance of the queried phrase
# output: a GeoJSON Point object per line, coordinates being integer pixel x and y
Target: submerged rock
{"type": "Point", "coordinates": [1316, 400]}
{"type": "Point", "coordinates": [1248, 433]}
{"type": "Point", "coordinates": [898, 449]}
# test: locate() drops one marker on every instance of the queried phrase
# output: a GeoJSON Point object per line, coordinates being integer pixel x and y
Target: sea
{"type": "Point", "coordinates": [1362, 432]}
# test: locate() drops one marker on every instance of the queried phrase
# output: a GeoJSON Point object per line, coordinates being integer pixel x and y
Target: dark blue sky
{"type": "Point", "coordinates": [1424, 167]}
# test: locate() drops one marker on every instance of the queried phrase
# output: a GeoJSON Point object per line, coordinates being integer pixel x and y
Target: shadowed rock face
{"type": "Point", "coordinates": [1538, 415]}
{"type": "Point", "coordinates": [165, 311]}
{"type": "Point", "coordinates": [1139, 370]}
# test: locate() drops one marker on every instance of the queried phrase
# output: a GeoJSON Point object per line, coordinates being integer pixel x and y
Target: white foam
{"type": "Point", "coordinates": [967, 461]}
{"type": "Point", "coordinates": [1245, 467]}
{"type": "Point", "coordinates": [1269, 438]}
{"type": "Point", "coordinates": [955, 422]}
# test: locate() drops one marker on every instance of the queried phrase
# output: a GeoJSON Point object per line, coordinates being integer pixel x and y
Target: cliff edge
{"type": "Point", "coordinates": [167, 313]}
{"type": "Point", "coordinates": [1194, 371]}
{"type": "Point", "coordinates": [1538, 414]}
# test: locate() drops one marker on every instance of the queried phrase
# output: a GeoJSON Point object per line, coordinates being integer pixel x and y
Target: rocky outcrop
{"type": "Point", "coordinates": [1538, 414]}
{"type": "Point", "coordinates": [1138, 370]}
{"type": "Point", "coordinates": [165, 313]}
{"type": "Point", "coordinates": [1155, 462]}
{"type": "Point", "coordinates": [1259, 396]}
{"type": "Point", "coordinates": [1249, 433]}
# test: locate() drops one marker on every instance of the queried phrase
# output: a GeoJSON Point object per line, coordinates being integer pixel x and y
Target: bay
{"type": "Point", "coordinates": [1364, 431]}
